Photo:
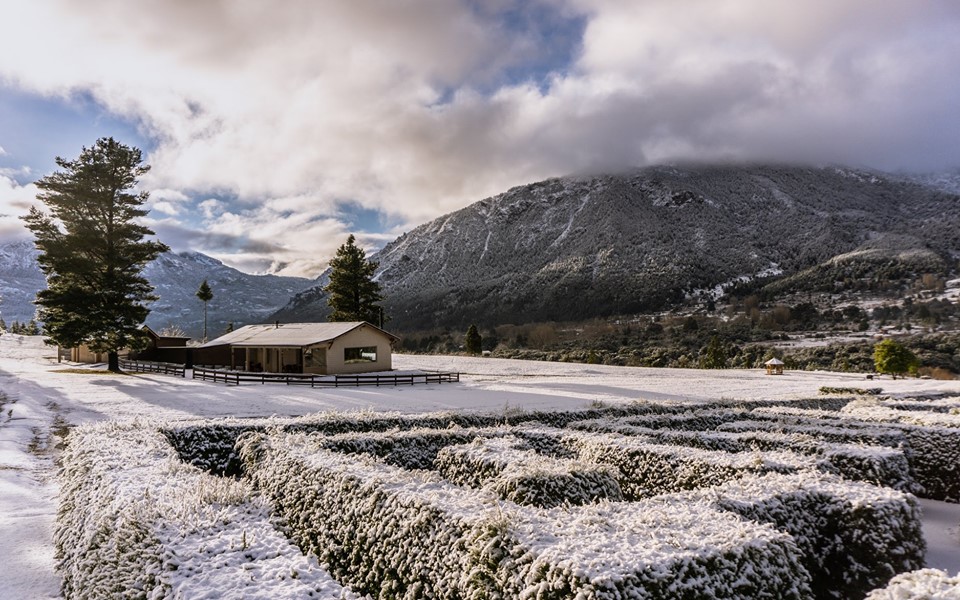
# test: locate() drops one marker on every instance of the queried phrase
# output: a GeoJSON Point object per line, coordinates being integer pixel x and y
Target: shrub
{"type": "Point", "coordinates": [525, 477]}
{"type": "Point", "coordinates": [408, 534]}
{"type": "Point", "coordinates": [135, 522]}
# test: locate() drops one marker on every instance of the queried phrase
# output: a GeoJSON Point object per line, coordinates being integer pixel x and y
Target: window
{"type": "Point", "coordinates": [357, 355]}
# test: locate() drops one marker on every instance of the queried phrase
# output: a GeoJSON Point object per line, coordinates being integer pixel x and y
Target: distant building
{"type": "Point", "coordinates": [320, 348]}
{"type": "Point", "coordinates": [164, 348]}
{"type": "Point", "coordinates": [774, 366]}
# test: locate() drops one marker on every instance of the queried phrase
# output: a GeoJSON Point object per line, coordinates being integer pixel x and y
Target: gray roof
{"type": "Point", "coordinates": [293, 335]}
{"type": "Point", "coordinates": [774, 362]}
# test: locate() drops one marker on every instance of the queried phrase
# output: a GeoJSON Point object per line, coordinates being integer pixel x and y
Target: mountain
{"type": "Point", "coordinates": [580, 247]}
{"type": "Point", "coordinates": [20, 279]}
{"type": "Point", "coordinates": [239, 297]}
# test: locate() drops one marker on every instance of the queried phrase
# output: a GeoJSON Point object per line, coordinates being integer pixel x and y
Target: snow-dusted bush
{"type": "Point", "coordinates": [700, 419]}
{"type": "Point", "coordinates": [923, 584]}
{"type": "Point", "coordinates": [524, 476]}
{"type": "Point", "coordinates": [836, 431]}
{"type": "Point", "coordinates": [211, 446]}
{"type": "Point", "coordinates": [410, 534]}
{"type": "Point", "coordinates": [648, 469]}
{"type": "Point", "coordinates": [875, 464]}
{"type": "Point", "coordinates": [135, 522]}
{"type": "Point", "coordinates": [932, 439]}
{"type": "Point", "coordinates": [853, 536]}
{"type": "Point", "coordinates": [414, 449]}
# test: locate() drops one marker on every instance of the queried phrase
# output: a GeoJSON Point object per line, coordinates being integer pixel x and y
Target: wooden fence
{"type": "Point", "coordinates": [145, 366]}
{"type": "Point", "coordinates": [238, 377]}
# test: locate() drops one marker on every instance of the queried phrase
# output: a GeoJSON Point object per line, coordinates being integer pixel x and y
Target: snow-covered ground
{"type": "Point", "coordinates": [40, 397]}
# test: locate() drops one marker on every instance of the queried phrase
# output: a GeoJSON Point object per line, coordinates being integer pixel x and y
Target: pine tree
{"type": "Point", "coordinates": [473, 342]}
{"type": "Point", "coordinates": [205, 294]}
{"type": "Point", "coordinates": [93, 251]}
{"type": "Point", "coordinates": [353, 294]}
{"type": "Point", "coordinates": [3, 324]}
{"type": "Point", "coordinates": [713, 355]}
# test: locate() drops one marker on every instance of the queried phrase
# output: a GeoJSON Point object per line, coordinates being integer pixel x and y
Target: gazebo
{"type": "Point", "coordinates": [774, 366]}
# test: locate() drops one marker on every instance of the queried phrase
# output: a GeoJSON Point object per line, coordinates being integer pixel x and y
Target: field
{"type": "Point", "coordinates": [681, 483]}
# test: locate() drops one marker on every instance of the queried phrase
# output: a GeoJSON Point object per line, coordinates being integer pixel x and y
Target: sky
{"type": "Point", "coordinates": [276, 129]}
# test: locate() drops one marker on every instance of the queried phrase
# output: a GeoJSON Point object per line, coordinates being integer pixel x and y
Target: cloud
{"type": "Point", "coordinates": [15, 201]}
{"type": "Point", "coordinates": [415, 109]}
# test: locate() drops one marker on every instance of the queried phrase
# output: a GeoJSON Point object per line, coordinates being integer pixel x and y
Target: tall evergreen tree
{"type": "Point", "coordinates": [205, 294]}
{"type": "Point", "coordinates": [93, 251]}
{"type": "Point", "coordinates": [473, 341]}
{"type": "Point", "coordinates": [353, 294]}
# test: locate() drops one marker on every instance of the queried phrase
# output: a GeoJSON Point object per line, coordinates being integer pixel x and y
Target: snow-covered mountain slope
{"type": "Point", "coordinates": [581, 247]}
{"type": "Point", "coordinates": [238, 297]}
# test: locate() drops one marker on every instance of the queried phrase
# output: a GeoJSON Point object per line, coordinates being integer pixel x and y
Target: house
{"type": "Point", "coordinates": [774, 366]}
{"type": "Point", "coordinates": [320, 348]}
{"type": "Point", "coordinates": [164, 348]}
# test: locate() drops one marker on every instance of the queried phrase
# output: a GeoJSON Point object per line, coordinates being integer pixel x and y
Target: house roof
{"type": "Point", "coordinates": [291, 335]}
{"type": "Point", "coordinates": [774, 362]}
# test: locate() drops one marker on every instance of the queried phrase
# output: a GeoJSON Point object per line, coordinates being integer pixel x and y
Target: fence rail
{"type": "Point", "coordinates": [238, 377]}
{"type": "Point", "coordinates": [146, 366]}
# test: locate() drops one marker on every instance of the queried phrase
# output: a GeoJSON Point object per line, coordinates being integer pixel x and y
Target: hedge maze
{"type": "Point", "coordinates": [790, 500]}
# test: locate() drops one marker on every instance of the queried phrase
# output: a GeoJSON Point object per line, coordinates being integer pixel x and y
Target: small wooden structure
{"type": "Point", "coordinates": [318, 348]}
{"type": "Point", "coordinates": [774, 366]}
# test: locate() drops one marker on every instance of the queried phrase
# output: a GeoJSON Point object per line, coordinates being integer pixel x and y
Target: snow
{"type": "Point", "coordinates": [39, 396]}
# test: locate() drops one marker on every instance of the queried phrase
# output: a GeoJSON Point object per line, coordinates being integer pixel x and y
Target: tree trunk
{"type": "Point", "coordinates": [113, 361]}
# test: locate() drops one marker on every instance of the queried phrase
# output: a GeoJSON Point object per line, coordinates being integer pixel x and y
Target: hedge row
{"type": "Point", "coordinates": [932, 439]}
{"type": "Point", "coordinates": [875, 464]}
{"type": "Point", "coordinates": [853, 536]}
{"type": "Point", "coordinates": [923, 584]}
{"type": "Point", "coordinates": [393, 533]}
{"type": "Point", "coordinates": [135, 522]}
{"type": "Point", "coordinates": [649, 469]}
{"type": "Point", "coordinates": [525, 477]}
{"type": "Point", "coordinates": [212, 446]}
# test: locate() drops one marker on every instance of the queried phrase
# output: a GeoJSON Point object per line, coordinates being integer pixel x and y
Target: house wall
{"type": "Point", "coordinates": [359, 338]}
{"type": "Point", "coordinates": [83, 354]}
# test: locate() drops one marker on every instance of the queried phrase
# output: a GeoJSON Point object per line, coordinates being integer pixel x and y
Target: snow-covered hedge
{"type": "Point", "coordinates": [932, 439]}
{"type": "Point", "coordinates": [853, 536]}
{"type": "Point", "coordinates": [135, 522]}
{"type": "Point", "coordinates": [875, 464]}
{"type": "Point", "coordinates": [211, 446]}
{"type": "Point", "coordinates": [524, 476]}
{"type": "Point", "coordinates": [923, 584]}
{"type": "Point", "coordinates": [648, 469]}
{"type": "Point", "coordinates": [394, 533]}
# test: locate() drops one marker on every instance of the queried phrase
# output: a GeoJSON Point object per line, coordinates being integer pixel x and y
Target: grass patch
{"type": "Point", "coordinates": [79, 371]}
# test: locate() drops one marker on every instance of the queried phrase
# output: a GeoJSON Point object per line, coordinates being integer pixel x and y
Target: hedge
{"type": "Point", "coordinates": [648, 469]}
{"type": "Point", "coordinates": [923, 584]}
{"type": "Point", "coordinates": [854, 536]}
{"type": "Point", "coordinates": [393, 533]}
{"type": "Point", "coordinates": [526, 477]}
{"type": "Point", "coordinates": [135, 522]}
{"type": "Point", "coordinates": [932, 439]}
{"type": "Point", "coordinates": [875, 464]}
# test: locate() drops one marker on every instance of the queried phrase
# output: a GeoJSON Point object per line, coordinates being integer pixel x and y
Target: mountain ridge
{"type": "Point", "coordinates": [593, 246]}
